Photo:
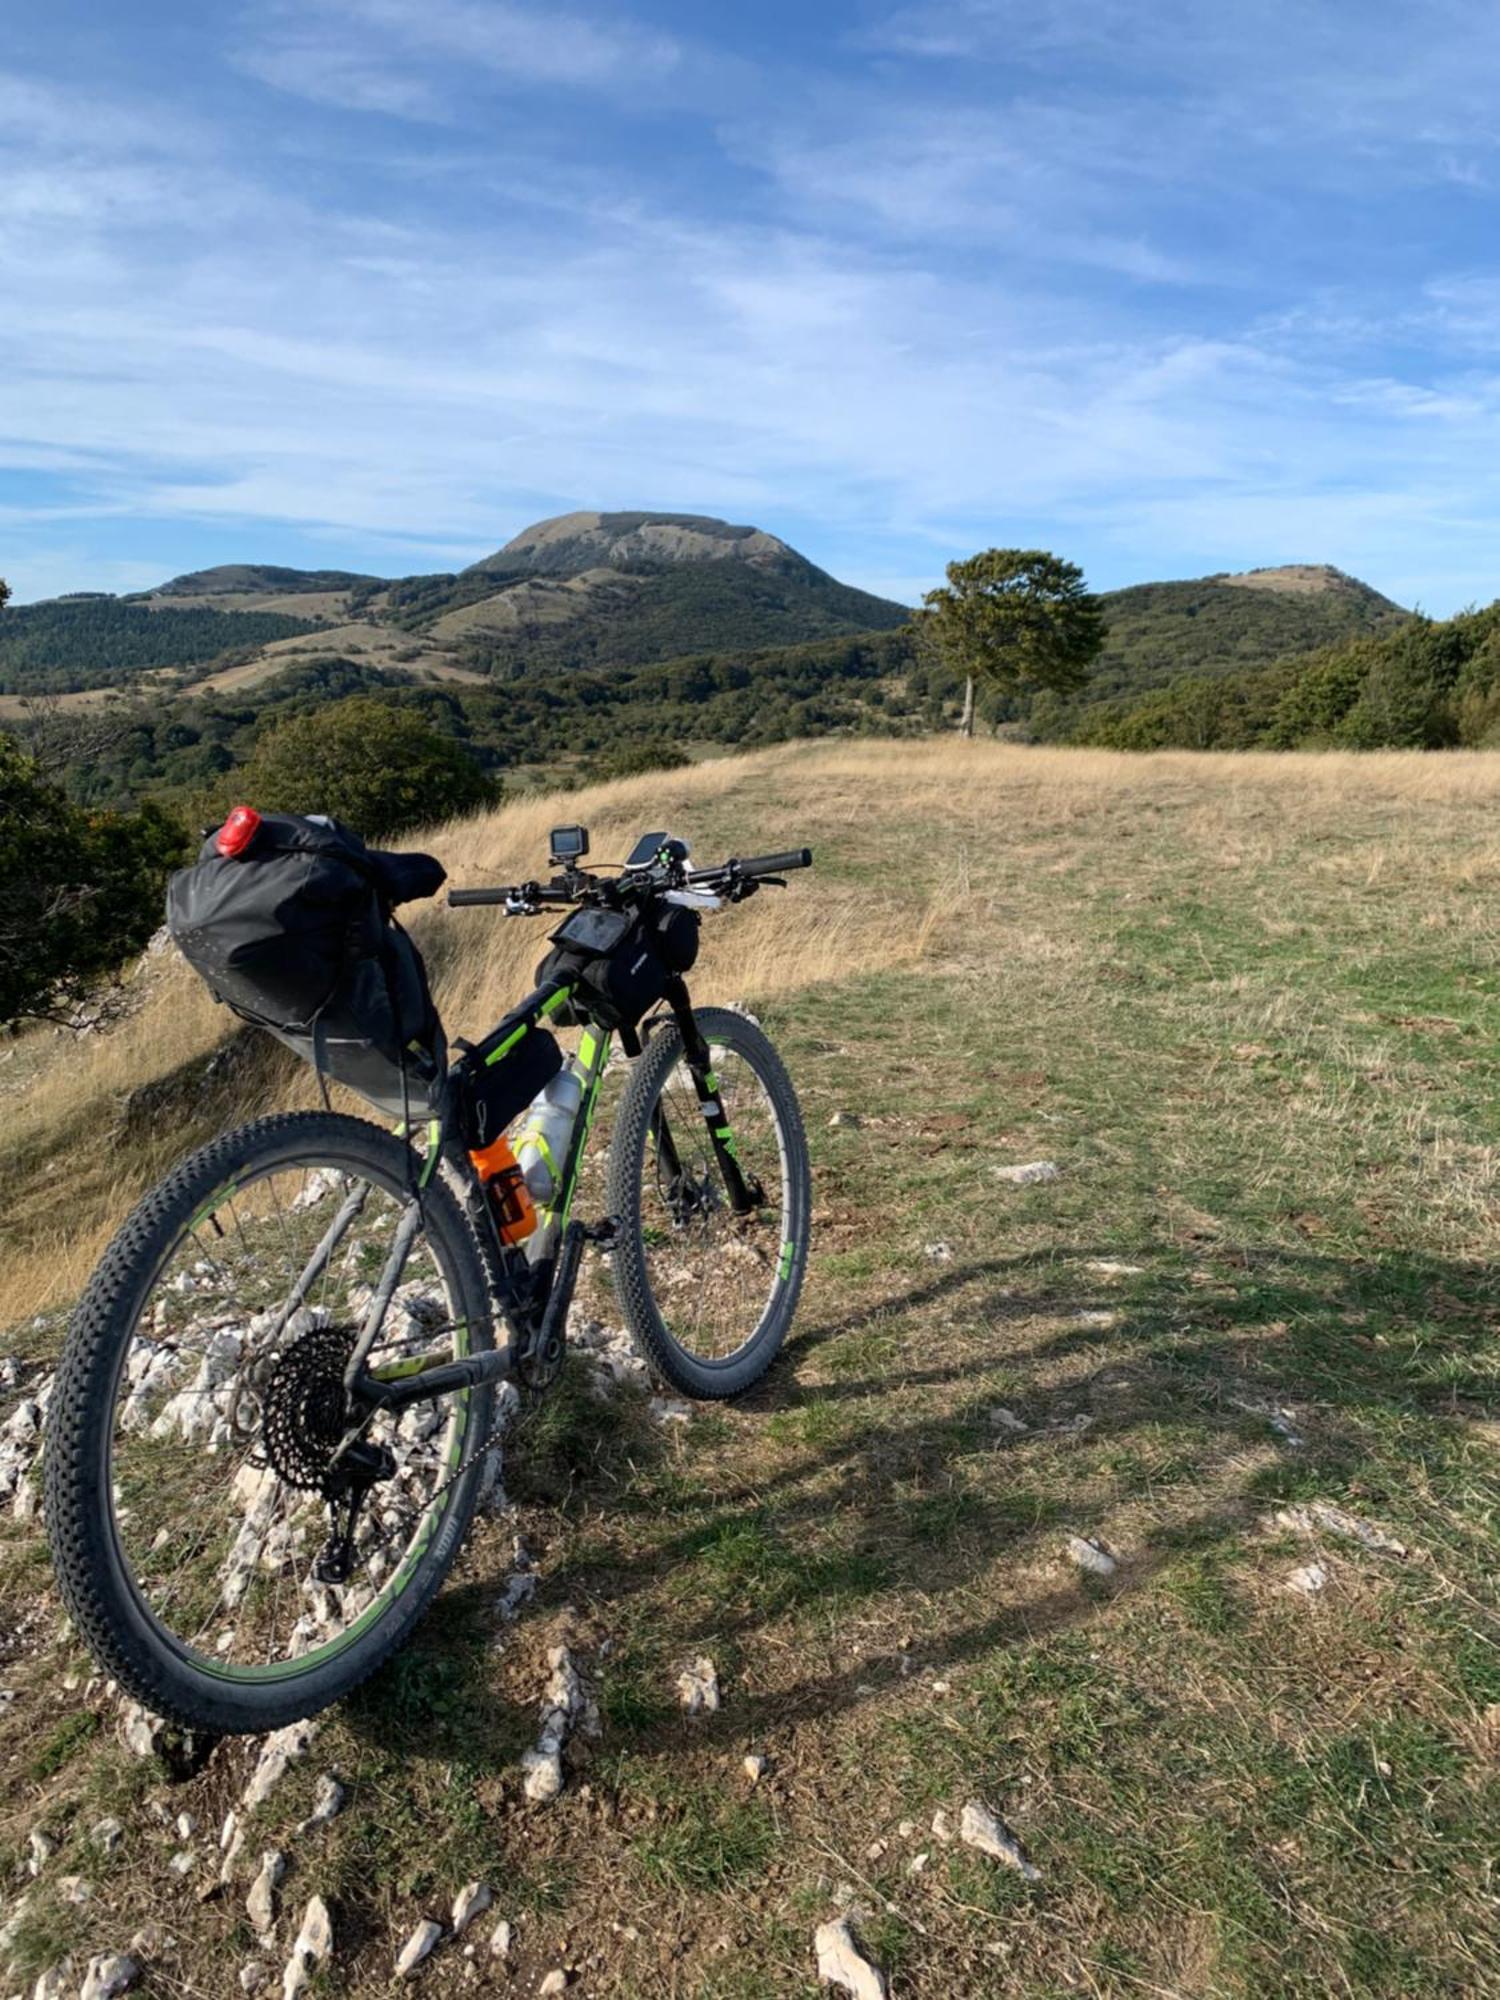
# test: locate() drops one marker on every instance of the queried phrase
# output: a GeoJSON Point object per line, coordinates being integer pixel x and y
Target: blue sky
{"type": "Point", "coordinates": [1168, 287]}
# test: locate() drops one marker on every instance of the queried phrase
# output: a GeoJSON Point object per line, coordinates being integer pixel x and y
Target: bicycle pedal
{"type": "Point", "coordinates": [603, 1235]}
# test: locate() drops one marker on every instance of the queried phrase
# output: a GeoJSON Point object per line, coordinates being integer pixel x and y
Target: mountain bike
{"type": "Point", "coordinates": [276, 1406]}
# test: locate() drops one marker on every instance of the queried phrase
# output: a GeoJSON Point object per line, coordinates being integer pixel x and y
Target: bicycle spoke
{"type": "Point", "coordinates": [221, 1520]}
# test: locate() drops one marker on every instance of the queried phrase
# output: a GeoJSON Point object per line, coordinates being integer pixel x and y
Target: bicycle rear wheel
{"type": "Point", "coordinates": [709, 1294]}
{"type": "Point", "coordinates": [199, 1411]}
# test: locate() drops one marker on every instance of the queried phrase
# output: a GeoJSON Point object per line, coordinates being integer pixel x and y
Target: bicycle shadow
{"type": "Point", "coordinates": [937, 1500]}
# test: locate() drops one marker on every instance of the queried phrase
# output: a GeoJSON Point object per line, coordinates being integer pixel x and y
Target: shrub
{"type": "Point", "coordinates": [378, 767]}
{"type": "Point", "coordinates": [79, 891]}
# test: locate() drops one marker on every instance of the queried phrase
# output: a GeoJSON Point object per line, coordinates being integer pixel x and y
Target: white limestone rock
{"type": "Point", "coordinates": [313, 1947]}
{"type": "Point", "coordinates": [470, 1902]}
{"type": "Point", "coordinates": [109, 1975]}
{"type": "Point", "coordinates": [278, 1751]}
{"type": "Point", "coordinates": [841, 1963]}
{"type": "Point", "coordinates": [567, 1706]}
{"type": "Point", "coordinates": [979, 1828]}
{"type": "Point", "coordinates": [698, 1686]}
{"type": "Point", "coordinates": [1091, 1556]}
{"type": "Point", "coordinates": [1321, 1514]}
{"type": "Point", "coordinates": [421, 1944]}
{"type": "Point", "coordinates": [260, 1903]}
{"type": "Point", "coordinates": [1308, 1580]}
{"type": "Point", "coordinates": [328, 1803]}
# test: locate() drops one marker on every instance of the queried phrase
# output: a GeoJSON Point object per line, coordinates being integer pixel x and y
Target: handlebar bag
{"type": "Point", "coordinates": [295, 934]}
{"type": "Point", "coordinates": [618, 962]}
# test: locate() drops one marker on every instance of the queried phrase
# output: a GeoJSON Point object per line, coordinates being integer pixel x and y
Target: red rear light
{"type": "Point", "coordinates": [237, 832]}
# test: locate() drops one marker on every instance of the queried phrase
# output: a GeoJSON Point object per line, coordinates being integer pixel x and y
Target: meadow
{"type": "Point", "coordinates": [1248, 1007]}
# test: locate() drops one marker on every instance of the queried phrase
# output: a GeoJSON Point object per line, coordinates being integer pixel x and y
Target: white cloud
{"type": "Point", "coordinates": [1308, 88]}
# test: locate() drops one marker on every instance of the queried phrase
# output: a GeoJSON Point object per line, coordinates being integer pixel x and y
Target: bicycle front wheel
{"type": "Point", "coordinates": [708, 1293]}
{"type": "Point", "coordinates": [199, 1418]}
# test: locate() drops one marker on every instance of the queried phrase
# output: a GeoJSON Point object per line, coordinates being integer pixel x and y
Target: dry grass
{"type": "Point", "coordinates": [928, 821]}
{"type": "Point", "coordinates": [78, 1123]}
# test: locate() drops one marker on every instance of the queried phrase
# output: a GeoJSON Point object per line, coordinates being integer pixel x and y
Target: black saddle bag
{"type": "Point", "coordinates": [619, 962]}
{"type": "Point", "coordinates": [294, 932]}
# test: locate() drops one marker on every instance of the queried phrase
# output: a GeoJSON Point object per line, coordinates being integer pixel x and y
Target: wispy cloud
{"type": "Point", "coordinates": [414, 58]}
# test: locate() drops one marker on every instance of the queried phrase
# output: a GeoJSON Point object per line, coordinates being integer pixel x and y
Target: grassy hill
{"type": "Point", "coordinates": [1247, 1007]}
{"type": "Point", "coordinates": [1222, 624]}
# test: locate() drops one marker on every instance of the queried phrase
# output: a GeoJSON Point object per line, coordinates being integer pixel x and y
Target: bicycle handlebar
{"type": "Point", "coordinates": [519, 898]}
{"type": "Point", "coordinates": [765, 864]}
{"type": "Point", "coordinates": [535, 892]}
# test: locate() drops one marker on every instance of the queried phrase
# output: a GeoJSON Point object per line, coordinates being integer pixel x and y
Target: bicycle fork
{"type": "Point", "coordinates": [744, 1195]}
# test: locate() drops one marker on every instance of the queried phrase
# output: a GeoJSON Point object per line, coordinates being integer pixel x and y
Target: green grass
{"type": "Point", "coordinates": [706, 1845]}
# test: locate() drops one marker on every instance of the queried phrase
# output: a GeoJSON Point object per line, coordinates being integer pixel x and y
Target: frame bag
{"type": "Point", "coordinates": [498, 1077]}
{"type": "Point", "coordinates": [294, 932]}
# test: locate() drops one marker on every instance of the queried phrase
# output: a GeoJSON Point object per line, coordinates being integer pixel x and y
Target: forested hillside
{"type": "Point", "coordinates": [597, 642]}
{"type": "Point", "coordinates": [89, 642]}
{"type": "Point", "coordinates": [1222, 624]}
{"type": "Point", "coordinates": [1420, 684]}
{"type": "Point", "coordinates": [569, 724]}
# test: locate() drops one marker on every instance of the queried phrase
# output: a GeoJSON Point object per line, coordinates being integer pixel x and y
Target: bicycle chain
{"type": "Point", "coordinates": [496, 1436]}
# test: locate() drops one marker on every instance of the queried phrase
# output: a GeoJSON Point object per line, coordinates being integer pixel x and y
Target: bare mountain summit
{"type": "Point", "coordinates": [1300, 580]}
{"type": "Point", "coordinates": [593, 589]}
{"type": "Point", "coordinates": [569, 544]}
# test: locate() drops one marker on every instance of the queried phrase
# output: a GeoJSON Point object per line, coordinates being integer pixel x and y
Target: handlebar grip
{"type": "Point", "coordinates": [777, 864]}
{"type": "Point", "coordinates": [457, 898]}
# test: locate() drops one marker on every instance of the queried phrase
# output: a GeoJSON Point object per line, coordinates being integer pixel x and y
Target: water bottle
{"type": "Point", "coordinates": [542, 1142]}
{"type": "Point", "coordinates": [505, 1184]}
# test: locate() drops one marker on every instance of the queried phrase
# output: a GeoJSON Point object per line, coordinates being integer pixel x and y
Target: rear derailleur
{"type": "Point", "coordinates": [346, 1487]}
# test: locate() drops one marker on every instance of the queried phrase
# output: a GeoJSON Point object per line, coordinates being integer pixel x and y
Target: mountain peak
{"type": "Point", "coordinates": [569, 544]}
{"type": "Point", "coordinates": [1299, 580]}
